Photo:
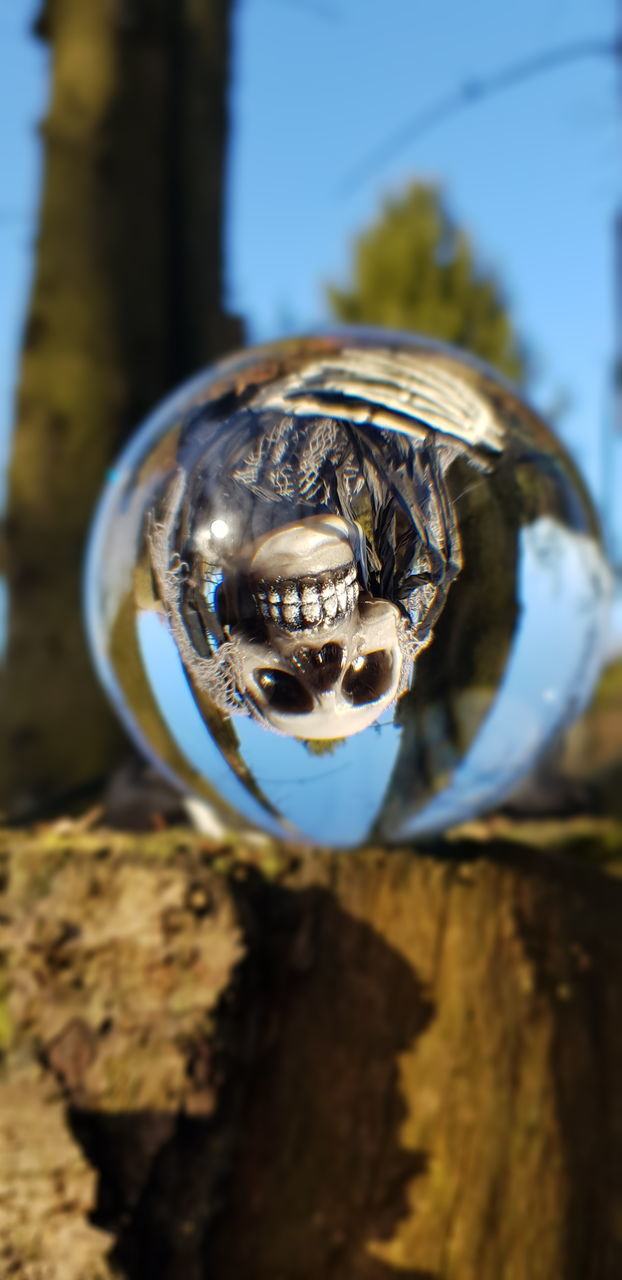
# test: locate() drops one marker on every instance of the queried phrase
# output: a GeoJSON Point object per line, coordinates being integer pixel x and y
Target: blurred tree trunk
{"type": "Point", "coordinates": [126, 300]}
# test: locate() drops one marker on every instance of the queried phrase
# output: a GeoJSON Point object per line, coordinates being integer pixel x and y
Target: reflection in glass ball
{"type": "Point", "coordinates": [347, 586]}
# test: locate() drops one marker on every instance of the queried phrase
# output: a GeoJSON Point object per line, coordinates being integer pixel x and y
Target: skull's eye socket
{"type": "Point", "coordinates": [283, 692]}
{"type": "Point", "coordinates": [368, 678]}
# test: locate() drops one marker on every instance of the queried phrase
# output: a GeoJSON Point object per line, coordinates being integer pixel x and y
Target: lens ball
{"type": "Point", "coordinates": [347, 587]}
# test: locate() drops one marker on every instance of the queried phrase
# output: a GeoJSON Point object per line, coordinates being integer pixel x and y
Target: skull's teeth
{"type": "Point", "coordinates": [312, 612]}
{"type": "Point", "coordinates": [296, 604]}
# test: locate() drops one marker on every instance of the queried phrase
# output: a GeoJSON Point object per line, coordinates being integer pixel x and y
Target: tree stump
{"type": "Point", "coordinates": [280, 1063]}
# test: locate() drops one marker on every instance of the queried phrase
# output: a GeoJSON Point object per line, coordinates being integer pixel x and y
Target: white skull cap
{"type": "Point", "coordinates": [296, 549]}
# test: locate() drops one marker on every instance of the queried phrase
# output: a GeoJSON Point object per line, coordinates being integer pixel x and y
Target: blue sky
{"type": "Point", "coordinates": [534, 173]}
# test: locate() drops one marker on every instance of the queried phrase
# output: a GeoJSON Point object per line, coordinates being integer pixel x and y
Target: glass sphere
{"type": "Point", "coordinates": [347, 587]}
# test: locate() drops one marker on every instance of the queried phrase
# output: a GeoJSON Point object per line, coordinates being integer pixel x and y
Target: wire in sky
{"type": "Point", "coordinates": [468, 94]}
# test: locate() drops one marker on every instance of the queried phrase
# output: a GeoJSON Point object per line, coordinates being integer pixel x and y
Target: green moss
{"type": "Point", "coordinates": [610, 687]}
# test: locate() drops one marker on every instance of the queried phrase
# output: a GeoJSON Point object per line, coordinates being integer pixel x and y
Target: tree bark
{"type": "Point", "coordinates": [126, 301]}
{"type": "Point", "coordinates": [263, 1062]}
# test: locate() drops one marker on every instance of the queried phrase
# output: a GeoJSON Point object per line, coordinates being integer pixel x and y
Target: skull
{"type": "Point", "coordinates": [329, 660]}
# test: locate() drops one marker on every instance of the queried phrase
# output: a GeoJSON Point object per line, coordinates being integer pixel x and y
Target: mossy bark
{"type": "Point", "coordinates": [126, 300]}
{"type": "Point", "coordinates": [283, 1064]}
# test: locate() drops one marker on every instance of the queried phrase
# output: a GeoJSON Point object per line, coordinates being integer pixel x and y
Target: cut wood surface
{"type": "Point", "coordinates": [253, 1062]}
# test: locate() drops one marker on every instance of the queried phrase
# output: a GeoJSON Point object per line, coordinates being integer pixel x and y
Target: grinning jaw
{"type": "Point", "coordinates": [304, 604]}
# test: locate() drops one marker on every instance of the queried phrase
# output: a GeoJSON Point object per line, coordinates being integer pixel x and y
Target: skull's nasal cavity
{"type": "Point", "coordinates": [321, 668]}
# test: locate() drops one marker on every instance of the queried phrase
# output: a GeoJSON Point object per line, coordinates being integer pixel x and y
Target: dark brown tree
{"type": "Point", "coordinates": [126, 301]}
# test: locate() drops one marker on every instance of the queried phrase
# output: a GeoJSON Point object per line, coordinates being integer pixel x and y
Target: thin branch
{"type": "Point", "coordinates": [472, 92]}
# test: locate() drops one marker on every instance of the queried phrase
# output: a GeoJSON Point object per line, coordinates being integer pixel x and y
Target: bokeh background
{"type": "Point", "coordinates": [343, 116]}
{"type": "Point", "coordinates": [325, 95]}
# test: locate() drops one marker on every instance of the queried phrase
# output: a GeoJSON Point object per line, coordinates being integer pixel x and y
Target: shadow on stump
{"type": "Point", "coordinates": [300, 1168]}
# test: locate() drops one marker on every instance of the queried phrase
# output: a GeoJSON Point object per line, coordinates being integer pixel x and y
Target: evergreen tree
{"type": "Point", "coordinates": [416, 269]}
